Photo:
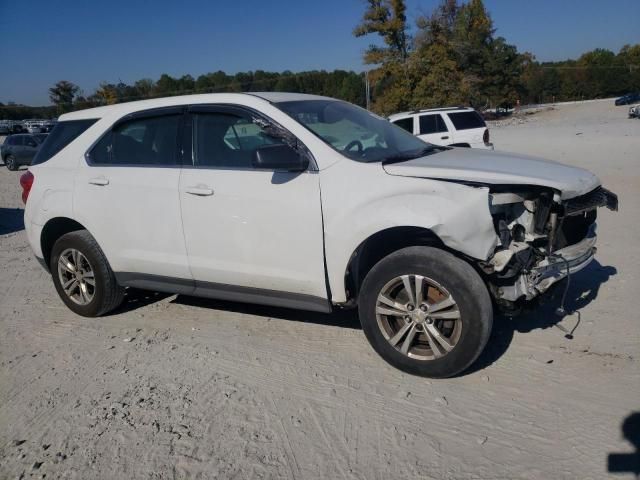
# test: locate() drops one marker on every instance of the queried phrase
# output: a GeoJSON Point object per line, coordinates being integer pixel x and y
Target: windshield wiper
{"type": "Point", "coordinates": [403, 157]}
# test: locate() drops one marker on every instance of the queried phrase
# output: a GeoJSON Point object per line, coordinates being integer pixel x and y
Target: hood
{"type": "Point", "coordinates": [498, 168]}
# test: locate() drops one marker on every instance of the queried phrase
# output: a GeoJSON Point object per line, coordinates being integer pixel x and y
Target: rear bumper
{"type": "Point", "coordinates": [34, 232]}
{"type": "Point", "coordinates": [552, 269]}
{"type": "Point", "coordinates": [42, 263]}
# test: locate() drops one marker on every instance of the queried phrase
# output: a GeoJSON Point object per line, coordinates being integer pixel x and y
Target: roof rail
{"type": "Point", "coordinates": [447, 109]}
{"type": "Point", "coordinates": [441, 109]}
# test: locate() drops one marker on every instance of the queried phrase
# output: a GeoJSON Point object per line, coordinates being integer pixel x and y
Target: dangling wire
{"type": "Point", "coordinates": [561, 310]}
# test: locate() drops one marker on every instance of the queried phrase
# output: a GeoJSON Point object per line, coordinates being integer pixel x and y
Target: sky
{"type": "Point", "coordinates": [89, 42]}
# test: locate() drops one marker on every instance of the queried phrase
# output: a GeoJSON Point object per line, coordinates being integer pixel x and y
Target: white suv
{"type": "Point", "coordinates": [305, 202]}
{"type": "Point", "coordinates": [455, 127]}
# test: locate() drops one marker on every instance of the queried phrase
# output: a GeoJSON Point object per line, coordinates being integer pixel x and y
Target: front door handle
{"type": "Point", "coordinates": [200, 190]}
{"type": "Point", "coordinates": [446, 137]}
{"type": "Point", "coordinates": [100, 181]}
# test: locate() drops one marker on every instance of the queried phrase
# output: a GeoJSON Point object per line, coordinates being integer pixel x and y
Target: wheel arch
{"type": "Point", "coordinates": [52, 231]}
{"type": "Point", "coordinates": [381, 244]}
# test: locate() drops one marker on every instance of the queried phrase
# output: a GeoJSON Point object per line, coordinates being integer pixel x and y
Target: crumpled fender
{"type": "Point", "coordinates": [458, 214]}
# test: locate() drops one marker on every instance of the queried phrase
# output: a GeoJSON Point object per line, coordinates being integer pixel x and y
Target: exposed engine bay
{"type": "Point", "coordinates": [542, 239]}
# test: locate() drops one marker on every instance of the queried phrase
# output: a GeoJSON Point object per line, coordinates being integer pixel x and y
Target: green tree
{"type": "Point", "coordinates": [435, 62]}
{"type": "Point", "coordinates": [391, 79]}
{"type": "Point", "coordinates": [439, 80]}
{"type": "Point", "coordinates": [166, 86]}
{"type": "Point", "coordinates": [186, 84]}
{"type": "Point", "coordinates": [388, 19]}
{"type": "Point", "coordinates": [501, 76]}
{"type": "Point", "coordinates": [629, 57]}
{"type": "Point", "coordinates": [287, 82]}
{"type": "Point", "coordinates": [107, 94]}
{"type": "Point", "coordinates": [145, 87]}
{"type": "Point", "coordinates": [62, 95]}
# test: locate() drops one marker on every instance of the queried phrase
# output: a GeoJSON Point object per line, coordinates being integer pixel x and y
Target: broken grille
{"type": "Point", "coordinates": [600, 197]}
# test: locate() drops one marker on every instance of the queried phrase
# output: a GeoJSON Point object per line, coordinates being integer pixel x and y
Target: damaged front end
{"type": "Point", "coordinates": [542, 239]}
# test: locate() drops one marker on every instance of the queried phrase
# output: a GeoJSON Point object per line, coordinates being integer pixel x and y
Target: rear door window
{"type": "Point", "coordinates": [62, 135]}
{"type": "Point", "coordinates": [148, 141]}
{"type": "Point", "coordinates": [467, 120]}
{"type": "Point", "coordinates": [432, 124]}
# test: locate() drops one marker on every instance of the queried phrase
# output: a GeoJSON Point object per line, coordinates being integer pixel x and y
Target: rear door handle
{"type": "Point", "coordinates": [101, 181]}
{"type": "Point", "coordinates": [199, 190]}
{"type": "Point", "coordinates": [446, 137]}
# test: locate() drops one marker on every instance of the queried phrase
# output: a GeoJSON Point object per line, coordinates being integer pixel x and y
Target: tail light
{"type": "Point", "coordinates": [485, 137]}
{"type": "Point", "coordinates": [26, 181]}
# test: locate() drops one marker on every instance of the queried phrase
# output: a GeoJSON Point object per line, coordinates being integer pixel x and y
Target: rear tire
{"type": "Point", "coordinates": [77, 261]}
{"type": "Point", "coordinates": [10, 162]}
{"type": "Point", "coordinates": [447, 328]}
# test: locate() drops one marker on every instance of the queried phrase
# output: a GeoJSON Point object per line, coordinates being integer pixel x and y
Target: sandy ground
{"type": "Point", "coordinates": [176, 387]}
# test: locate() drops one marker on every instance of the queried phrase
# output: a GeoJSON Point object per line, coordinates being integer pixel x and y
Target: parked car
{"type": "Point", "coordinates": [305, 202]}
{"type": "Point", "coordinates": [33, 127]}
{"type": "Point", "coordinates": [19, 150]}
{"type": "Point", "coordinates": [5, 127]}
{"type": "Point", "coordinates": [8, 127]}
{"type": "Point", "coordinates": [634, 111]}
{"type": "Point", "coordinates": [40, 137]}
{"type": "Point", "coordinates": [47, 125]}
{"type": "Point", "coordinates": [455, 127]}
{"type": "Point", "coordinates": [628, 99]}
{"type": "Point", "coordinates": [17, 127]}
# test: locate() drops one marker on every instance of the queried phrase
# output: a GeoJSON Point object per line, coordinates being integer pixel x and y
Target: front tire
{"type": "Point", "coordinates": [82, 275]}
{"type": "Point", "coordinates": [11, 163]}
{"type": "Point", "coordinates": [426, 312]}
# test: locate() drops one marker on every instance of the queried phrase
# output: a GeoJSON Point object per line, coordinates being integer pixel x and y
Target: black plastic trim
{"type": "Point", "coordinates": [152, 112]}
{"type": "Point", "coordinates": [158, 283]}
{"type": "Point", "coordinates": [221, 291]}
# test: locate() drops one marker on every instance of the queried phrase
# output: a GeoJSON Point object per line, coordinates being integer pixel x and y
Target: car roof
{"type": "Point", "coordinates": [130, 107]}
{"type": "Point", "coordinates": [430, 110]}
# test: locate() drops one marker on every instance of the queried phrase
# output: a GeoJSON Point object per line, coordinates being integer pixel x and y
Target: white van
{"type": "Point", "coordinates": [455, 126]}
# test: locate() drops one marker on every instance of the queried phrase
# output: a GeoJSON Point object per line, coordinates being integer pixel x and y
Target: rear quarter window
{"type": "Point", "coordinates": [405, 124]}
{"type": "Point", "coordinates": [467, 120]}
{"type": "Point", "coordinates": [62, 135]}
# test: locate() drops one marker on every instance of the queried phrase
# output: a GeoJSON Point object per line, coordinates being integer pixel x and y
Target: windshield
{"type": "Point", "coordinates": [355, 132]}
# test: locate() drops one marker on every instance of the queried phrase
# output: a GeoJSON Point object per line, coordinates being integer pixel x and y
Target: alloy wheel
{"type": "Point", "coordinates": [418, 317]}
{"type": "Point", "coordinates": [76, 276]}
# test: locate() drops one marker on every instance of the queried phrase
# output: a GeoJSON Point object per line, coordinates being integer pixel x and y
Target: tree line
{"type": "Point", "coordinates": [451, 56]}
{"type": "Point", "coordinates": [66, 96]}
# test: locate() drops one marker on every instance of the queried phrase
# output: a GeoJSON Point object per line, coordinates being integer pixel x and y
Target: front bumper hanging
{"type": "Point", "coordinates": [551, 269]}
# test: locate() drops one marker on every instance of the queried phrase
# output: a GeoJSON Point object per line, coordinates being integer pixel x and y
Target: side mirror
{"type": "Point", "coordinates": [280, 157]}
